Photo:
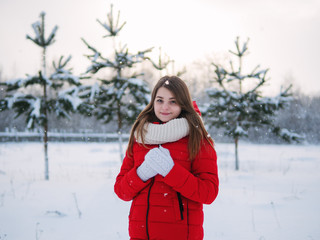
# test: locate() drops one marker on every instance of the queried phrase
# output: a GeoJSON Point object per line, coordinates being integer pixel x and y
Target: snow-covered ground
{"type": "Point", "coordinates": [274, 196]}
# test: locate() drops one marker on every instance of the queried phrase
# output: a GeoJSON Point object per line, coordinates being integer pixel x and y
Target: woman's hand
{"type": "Point", "coordinates": [145, 172]}
{"type": "Point", "coordinates": [159, 160]}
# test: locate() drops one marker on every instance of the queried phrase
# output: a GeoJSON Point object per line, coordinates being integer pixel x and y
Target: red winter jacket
{"type": "Point", "coordinates": [169, 207]}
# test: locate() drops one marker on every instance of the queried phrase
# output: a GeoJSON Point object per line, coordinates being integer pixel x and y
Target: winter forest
{"type": "Point", "coordinates": [63, 136]}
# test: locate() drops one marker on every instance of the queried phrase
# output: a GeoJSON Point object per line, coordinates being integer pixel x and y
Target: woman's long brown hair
{"type": "Point", "coordinates": [179, 89]}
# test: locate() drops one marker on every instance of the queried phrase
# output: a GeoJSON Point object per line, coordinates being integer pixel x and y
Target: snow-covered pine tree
{"type": "Point", "coordinates": [38, 95]}
{"type": "Point", "coordinates": [236, 107]}
{"type": "Point", "coordinates": [122, 96]}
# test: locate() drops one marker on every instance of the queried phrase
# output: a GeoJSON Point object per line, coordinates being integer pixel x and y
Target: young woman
{"type": "Point", "coordinates": [170, 167]}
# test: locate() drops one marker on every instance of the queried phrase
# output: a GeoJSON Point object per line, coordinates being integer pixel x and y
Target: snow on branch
{"type": "Point", "coordinates": [111, 26]}
{"type": "Point", "coordinates": [29, 80]}
{"type": "Point", "coordinates": [39, 30]}
{"type": "Point", "coordinates": [122, 59]}
{"type": "Point", "coordinates": [11, 100]}
{"type": "Point", "coordinates": [63, 74]}
{"type": "Point", "coordinates": [240, 51]}
{"type": "Point", "coordinates": [35, 105]}
{"type": "Point", "coordinates": [19, 82]}
{"type": "Point", "coordinates": [74, 100]}
{"type": "Point", "coordinates": [288, 135]}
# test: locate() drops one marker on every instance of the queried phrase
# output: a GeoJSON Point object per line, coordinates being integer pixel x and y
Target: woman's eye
{"type": "Point", "coordinates": [173, 102]}
{"type": "Point", "coordinates": [159, 101]}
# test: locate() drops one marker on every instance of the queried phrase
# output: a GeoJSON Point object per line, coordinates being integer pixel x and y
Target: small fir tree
{"type": "Point", "coordinates": [237, 108]}
{"type": "Point", "coordinates": [38, 95]}
{"type": "Point", "coordinates": [122, 96]}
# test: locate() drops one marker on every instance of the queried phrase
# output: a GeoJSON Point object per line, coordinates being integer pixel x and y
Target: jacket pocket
{"type": "Point", "coordinates": [178, 207]}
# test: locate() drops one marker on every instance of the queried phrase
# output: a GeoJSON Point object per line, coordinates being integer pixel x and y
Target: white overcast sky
{"type": "Point", "coordinates": [284, 35]}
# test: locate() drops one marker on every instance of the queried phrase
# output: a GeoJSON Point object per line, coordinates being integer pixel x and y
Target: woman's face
{"type": "Point", "coordinates": [166, 107]}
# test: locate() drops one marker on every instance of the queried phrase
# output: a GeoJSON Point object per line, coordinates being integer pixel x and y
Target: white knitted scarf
{"type": "Point", "coordinates": [171, 131]}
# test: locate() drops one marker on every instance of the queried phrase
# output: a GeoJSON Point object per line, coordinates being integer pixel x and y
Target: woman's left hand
{"type": "Point", "coordinates": [159, 160]}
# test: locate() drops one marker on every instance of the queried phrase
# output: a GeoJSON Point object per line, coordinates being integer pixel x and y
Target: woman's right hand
{"type": "Point", "coordinates": [157, 160]}
{"type": "Point", "coordinates": [145, 172]}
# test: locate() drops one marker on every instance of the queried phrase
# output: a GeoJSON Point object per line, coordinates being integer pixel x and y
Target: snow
{"type": "Point", "coordinates": [275, 194]}
{"type": "Point", "coordinates": [71, 95]}
{"type": "Point", "coordinates": [288, 134]}
{"type": "Point", "coordinates": [64, 75]}
{"type": "Point", "coordinates": [136, 81]}
{"type": "Point", "coordinates": [94, 91]}
{"type": "Point", "coordinates": [35, 105]}
{"type": "Point", "coordinates": [19, 81]}
{"type": "Point", "coordinates": [52, 34]}
{"type": "Point", "coordinates": [11, 100]}
{"type": "Point", "coordinates": [36, 27]}
{"type": "Point", "coordinates": [240, 131]}
{"type": "Point", "coordinates": [73, 99]}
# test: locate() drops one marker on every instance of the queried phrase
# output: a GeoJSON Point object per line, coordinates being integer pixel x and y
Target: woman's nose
{"type": "Point", "coordinates": [165, 106]}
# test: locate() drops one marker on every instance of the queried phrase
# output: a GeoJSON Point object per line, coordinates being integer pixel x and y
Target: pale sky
{"type": "Point", "coordinates": [284, 35]}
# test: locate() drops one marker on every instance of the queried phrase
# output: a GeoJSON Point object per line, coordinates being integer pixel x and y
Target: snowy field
{"type": "Point", "coordinates": [274, 196]}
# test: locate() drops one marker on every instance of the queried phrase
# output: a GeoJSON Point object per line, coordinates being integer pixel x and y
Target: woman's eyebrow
{"type": "Point", "coordinates": [162, 97]}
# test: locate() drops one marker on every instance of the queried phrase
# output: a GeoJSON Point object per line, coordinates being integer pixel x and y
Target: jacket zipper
{"type": "Point", "coordinates": [188, 218]}
{"type": "Point", "coordinates": [180, 205]}
{"type": "Point", "coordinates": [148, 207]}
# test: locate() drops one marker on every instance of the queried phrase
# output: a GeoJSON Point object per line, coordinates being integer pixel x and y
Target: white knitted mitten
{"type": "Point", "coordinates": [145, 172]}
{"type": "Point", "coordinates": [159, 159]}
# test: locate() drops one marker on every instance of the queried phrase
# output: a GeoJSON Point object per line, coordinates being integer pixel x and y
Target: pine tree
{"type": "Point", "coordinates": [237, 108]}
{"type": "Point", "coordinates": [38, 95]}
{"type": "Point", "coordinates": [122, 96]}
